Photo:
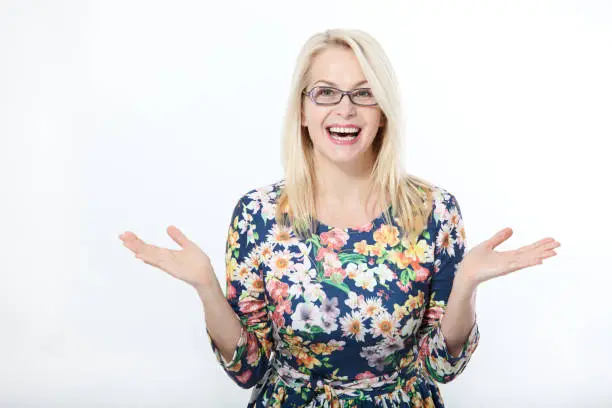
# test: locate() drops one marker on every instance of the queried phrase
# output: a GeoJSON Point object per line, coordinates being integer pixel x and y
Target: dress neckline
{"type": "Point", "coordinates": [356, 229]}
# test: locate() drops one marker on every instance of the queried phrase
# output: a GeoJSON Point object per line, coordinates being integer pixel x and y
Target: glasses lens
{"type": "Point", "coordinates": [363, 97]}
{"type": "Point", "coordinates": [326, 95]}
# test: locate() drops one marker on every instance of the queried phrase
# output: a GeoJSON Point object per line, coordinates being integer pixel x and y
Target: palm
{"type": "Point", "coordinates": [190, 264]}
{"type": "Point", "coordinates": [482, 263]}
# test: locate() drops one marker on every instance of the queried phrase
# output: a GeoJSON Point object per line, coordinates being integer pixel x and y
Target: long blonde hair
{"type": "Point", "coordinates": [410, 197]}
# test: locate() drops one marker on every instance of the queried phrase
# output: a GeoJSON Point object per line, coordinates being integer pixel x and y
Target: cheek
{"type": "Point", "coordinates": [314, 119]}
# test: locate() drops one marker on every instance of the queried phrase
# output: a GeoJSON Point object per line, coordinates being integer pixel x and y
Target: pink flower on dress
{"type": "Point", "coordinates": [365, 228]}
{"type": "Point", "coordinates": [250, 305]}
{"type": "Point", "coordinates": [254, 309]}
{"type": "Point", "coordinates": [404, 288]}
{"type": "Point", "coordinates": [364, 375]}
{"type": "Point", "coordinates": [278, 290]}
{"type": "Point", "coordinates": [334, 239]}
{"type": "Point", "coordinates": [252, 350]}
{"type": "Point", "coordinates": [323, 252]}
{"type": "Point", "coordinates": [231, 291]}
{"type": "Point", "coordinates": [278, 318]}
{"type": "Point", "coordinates": [422, 274]}
{"type": "Point", "coordinates": [244, 377]}
{"type": "Point", "coordinates": [336, 274]}
{"type": "Point", "coordinates": [283, 306]}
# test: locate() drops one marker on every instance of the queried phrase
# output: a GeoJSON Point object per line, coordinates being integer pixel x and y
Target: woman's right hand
{"type": "Point", "coordinates": [190, 264]}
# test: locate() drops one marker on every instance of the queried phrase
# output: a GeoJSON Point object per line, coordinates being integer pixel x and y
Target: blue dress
{"type": "Point", "coordinates": [348, 318]}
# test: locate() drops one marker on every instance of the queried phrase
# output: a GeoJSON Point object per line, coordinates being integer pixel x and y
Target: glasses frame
{"type": "Point", "coordinates": [350, 93]}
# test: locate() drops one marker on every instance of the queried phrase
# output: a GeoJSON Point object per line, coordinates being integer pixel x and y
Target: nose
{"type": "Point", "coordinates": [346, 107]}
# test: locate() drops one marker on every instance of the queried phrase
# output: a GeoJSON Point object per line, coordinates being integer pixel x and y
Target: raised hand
{"type": "Point", "coordinates": [190, 264]}
{"type": "Point", "coordinates": [482, 263]}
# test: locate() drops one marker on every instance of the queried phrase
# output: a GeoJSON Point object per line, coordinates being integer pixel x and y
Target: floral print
{"type": "Point", "coordinates": [347, 318]}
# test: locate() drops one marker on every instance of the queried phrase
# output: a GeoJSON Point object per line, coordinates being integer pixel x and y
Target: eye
{"type": "Point", "coordinates": [326, 92]}
{"type": "Point", "coordinates": [364, 93]}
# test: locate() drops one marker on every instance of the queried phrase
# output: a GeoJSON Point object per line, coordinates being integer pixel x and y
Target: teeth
{"type": "Point", "coordinates": [343, 137]}
{"type": "Point", "coordinates": [344, 130]}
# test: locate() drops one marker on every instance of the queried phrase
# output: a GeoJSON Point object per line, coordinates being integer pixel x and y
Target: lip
{"type": "Point", "coordinates": [341, 126]}
{"type": "Point", "coordinates": [343, 142]}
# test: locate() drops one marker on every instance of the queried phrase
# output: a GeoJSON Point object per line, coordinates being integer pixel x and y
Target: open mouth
{"type": "Point", "coordinates": [342, 133]}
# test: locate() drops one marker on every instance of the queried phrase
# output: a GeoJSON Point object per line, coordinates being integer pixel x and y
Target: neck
{"type": "Point", "coordinates": [344, 182]}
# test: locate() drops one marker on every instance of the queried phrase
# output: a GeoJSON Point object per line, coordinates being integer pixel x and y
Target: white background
{"type": "Point", "coordinates": [135, 115]}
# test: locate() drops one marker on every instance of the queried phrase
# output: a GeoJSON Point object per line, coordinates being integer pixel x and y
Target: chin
{"type": "Point", "coordinates": [337, 157]}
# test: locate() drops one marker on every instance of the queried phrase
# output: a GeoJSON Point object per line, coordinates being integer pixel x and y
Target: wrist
{"type": "Point", "coordinates": [463, 280]}
{"type": "Point", "coordinates": [208, 289]}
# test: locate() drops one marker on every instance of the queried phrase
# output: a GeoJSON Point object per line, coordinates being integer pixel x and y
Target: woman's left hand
{"type": "Point", "coordinates": [482, 263]}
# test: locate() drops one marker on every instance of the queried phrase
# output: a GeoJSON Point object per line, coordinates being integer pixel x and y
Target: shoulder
{"type": "Point", "coordinates": [444, 204]}
{"type": "Point", "coordinates": [260, 201]}
{"type": "Point", "coordinates": [449, 230]}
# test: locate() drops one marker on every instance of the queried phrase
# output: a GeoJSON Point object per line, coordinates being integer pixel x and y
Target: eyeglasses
{"type": "Point", "coordinates": [327, 95]}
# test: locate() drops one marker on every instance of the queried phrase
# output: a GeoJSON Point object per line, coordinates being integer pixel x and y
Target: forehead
{"type": "Point", "coordinates": [338, 65]}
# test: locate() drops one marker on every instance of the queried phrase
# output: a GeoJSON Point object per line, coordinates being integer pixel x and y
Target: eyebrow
{"type": "Point", "coordinates": [336, 85]}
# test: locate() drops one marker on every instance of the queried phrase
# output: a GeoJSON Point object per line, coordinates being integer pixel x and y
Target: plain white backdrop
{"type": "Point", "coordinates": [135, 115]}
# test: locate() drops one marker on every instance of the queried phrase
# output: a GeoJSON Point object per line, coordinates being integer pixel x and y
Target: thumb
{"type": "Point", "coordinates": [500, 237]}
{"type": "Point", "coordinates": [178, 236]}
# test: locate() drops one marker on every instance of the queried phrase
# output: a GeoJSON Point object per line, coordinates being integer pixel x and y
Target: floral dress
{"type": "Point", "coordinates": [348, 318]}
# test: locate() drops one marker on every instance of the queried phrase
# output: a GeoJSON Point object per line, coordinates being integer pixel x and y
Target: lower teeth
{"type": "Point", "coordinates": [343, 137]}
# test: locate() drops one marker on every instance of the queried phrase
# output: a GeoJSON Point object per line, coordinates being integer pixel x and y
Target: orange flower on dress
{"type": "Point", "coordinates": [361, 247]}
{"type": "Point", "coordinates": [387, 234]}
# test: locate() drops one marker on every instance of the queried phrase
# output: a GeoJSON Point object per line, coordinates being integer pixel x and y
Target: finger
{"type": "Point", "coordinates": [178, 236]}
{"type": "Point", "coordinates": [524, 260]}
{"type": "Point", "coordinates": [500, 237]}
{"type": "Point", "coordinates": [130, 241]}
{"type": "Point", "coordinates": [143, 251]}
{"type": "Point", "coordinates": [545, 250]}
{"type": "Point", "coordinates": [134, 243]}
{"type": "Point", "coordinates": [538, 244]}
{"type": "Point", "coordinates": [548, 254]}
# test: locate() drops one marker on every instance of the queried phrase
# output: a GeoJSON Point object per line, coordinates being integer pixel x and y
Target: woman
{"type": "Point", "coordinates": [347, 280]}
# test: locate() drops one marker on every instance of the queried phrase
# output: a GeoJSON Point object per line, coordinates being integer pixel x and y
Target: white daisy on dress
{"type": "Point", "coordinates": [281, 235]}
{"type": "Point", "coordinates": [281, 263]}
{"type": "Point", "coordinates": [352, 325]}
{"type": "Point", "coordinates": [445, 240]}
{"type": "Point", "coordinates": [266, 250]}
{"type": "Point", "coordinates": [254, 283]}
{"type": "Point", "coordinates": [384, 324]}
{"type": "Point", "coordinates": [371, 307]}
{"type": "Point", "coordinates": [241, 272]}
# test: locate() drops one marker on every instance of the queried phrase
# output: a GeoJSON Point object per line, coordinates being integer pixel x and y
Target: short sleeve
{"type": "Point", "coordinates": [448, 253]}
{"type": "Point", "coordinates": [245, 294]}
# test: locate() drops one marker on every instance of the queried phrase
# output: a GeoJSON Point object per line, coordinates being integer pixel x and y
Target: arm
{"type": "Point", "coordinates": [222, 323]}
{"type": "Point", "coordinates": [242, 339]}
{"type": "Point", "coordinates": [460, 315]}
{"type": "Point", "coordinates": [450, 310]}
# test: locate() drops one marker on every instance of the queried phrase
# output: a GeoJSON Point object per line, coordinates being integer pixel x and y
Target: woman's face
{"type": "Point", "coordinates": [338, 67]}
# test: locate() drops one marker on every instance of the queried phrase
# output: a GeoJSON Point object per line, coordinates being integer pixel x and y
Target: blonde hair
{"type": "Point", "coordinates": [410, 197]}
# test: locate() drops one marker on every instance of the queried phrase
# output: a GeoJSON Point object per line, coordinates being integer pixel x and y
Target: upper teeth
{"type": "Point", "coordinates": [344, 129]}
